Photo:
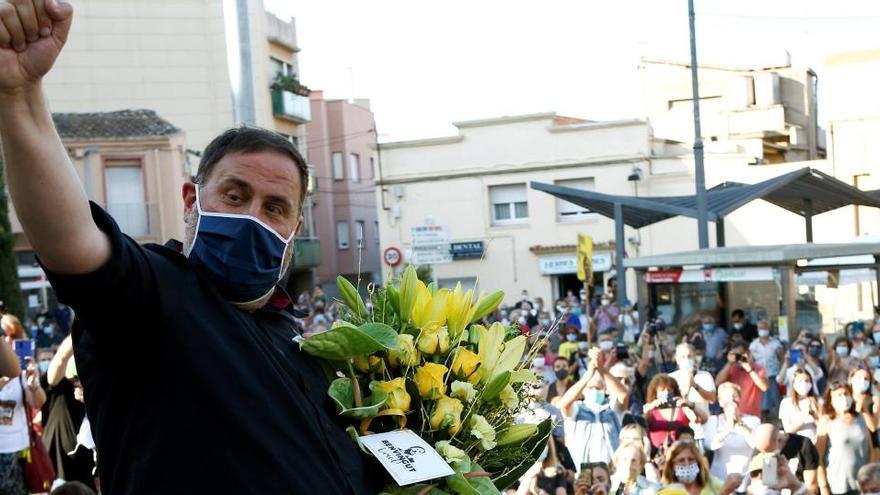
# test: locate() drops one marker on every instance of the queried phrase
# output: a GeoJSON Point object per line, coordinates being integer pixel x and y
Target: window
{"type": "Point", "coordinates": [509, 204]}
{"type": "Point", "coordinates": [377, 231]}
{"type": "Point", "coordinates": [359, 234]}
{"type": "Point", "coordinates": [571, 211]}
{"type": "Point", "coordinates": [342, 234]}
{"type": "Point", "coordinates": [278, 67]}
{"type": "Point", "coordinates": [354, 167]}
{"type": "Point", "coordinates": [338, 167]}
{"type": "Point", "coordinates": [372, 168]}
{"type": "Point", "coordinates": [126, 201]}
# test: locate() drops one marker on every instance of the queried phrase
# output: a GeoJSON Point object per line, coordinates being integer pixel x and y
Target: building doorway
{"type": "Point", "coordinates": [568, 282]}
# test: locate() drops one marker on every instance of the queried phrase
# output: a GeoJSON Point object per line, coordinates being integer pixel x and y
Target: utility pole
{"type": "Point", "coordinates": [699, 172]}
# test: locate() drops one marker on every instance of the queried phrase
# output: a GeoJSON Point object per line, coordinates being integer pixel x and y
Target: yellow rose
{"type": "Point", "coordinates": [396, 390]}
{"type": "Point", "coordinates": [429, 380]}
{"type": "Point", "coordinates": [406, 353]}
{"type": "Point", "coordinates": [447, 415]}
{"type": "Point", "coordinates": [371, 364]}
{"type": "Point", "coordinates": [466, 365]}
{"type": "Point", "coordinates": [433, 340]}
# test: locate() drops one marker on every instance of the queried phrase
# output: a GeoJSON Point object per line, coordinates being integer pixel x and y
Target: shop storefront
{"type": "Point", "coordinates": [562, 269]}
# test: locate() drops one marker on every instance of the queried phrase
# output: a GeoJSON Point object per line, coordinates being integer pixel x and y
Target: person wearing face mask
{"type": "Point", "coordinates": [741, 324]}
{"type": "Point", "coordinates": [729, 434]}
{"type": "Point", "coordinates": [629, 322]}
{"type": "Point", "coordinates": [800, 454]}
{"type": "Point", "coordinates": [799, 412]}
{"type": "Point", "coordinates": [785, 479]}
{"type": "Point", "coordinates": [666, 411]}
{"type": "Point", "coordinates": [715, 339]}
{"type": "Point", "coordinates": [209, 314]}
{"type": "Point", "coordinates": [562, 377]}
{"type": "Point", "coordinates": [875, 333]}
{"type": "Point", "coordinates": [606, 316]}
{"type": "Point", "coordinates": [569, 346]}
{"type": "Point", "coordinates": [626, 477]}
{"type": "Point", "coordinates": [861, 346]}
{"type": "Point", "coordinates": [768, 352]}
{"type": "Point", "coordinates": [751, 378]}
{"type": "Point", "coordinates": [685, 464]}
{"type": "Point", "coordinates": [866, 402]}
{"type": "Point", "coordinates": [593, 409]}
{"type": "Point", "coordinates": [542, 370]}
{"type": "Point", "coordinates": [842, 441]}
{"type": "Point", "coordinates": [809, 361]}
{"type": "Point", "coordinates": [698, 387]}
{"type": "Point", "coordinates": [840, 360]}
{"type": "Point", "coordinates": [869, 479]}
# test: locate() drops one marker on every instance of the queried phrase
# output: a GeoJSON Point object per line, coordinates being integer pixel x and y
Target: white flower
{"type": "Point", "coordinates": [509, 398]}
{"type": "Point", "coordinates": [450, 452]}
{"type": "Point", "coordinates": [482, 430]}
{"type": "Point", "coordinates": [463, 391]}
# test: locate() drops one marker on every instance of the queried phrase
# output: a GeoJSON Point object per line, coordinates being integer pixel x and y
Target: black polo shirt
{"type": "Point", "coordinates": [188, 394]}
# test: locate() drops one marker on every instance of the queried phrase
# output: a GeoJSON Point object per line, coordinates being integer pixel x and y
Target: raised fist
{"type": "Point", "coordinates": [32, 33]}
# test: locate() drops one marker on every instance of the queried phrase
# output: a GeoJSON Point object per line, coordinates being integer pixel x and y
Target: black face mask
{"type": "Point", "coordinates": [561, 374]}
{"type": "Point", "coordinates": [815, 351]}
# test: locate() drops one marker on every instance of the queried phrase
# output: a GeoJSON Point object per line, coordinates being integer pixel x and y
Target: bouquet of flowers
{"type": "Point", "coordinates": [417, 360]}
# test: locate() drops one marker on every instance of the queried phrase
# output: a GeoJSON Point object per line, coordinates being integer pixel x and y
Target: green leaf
{"type": "Point", "coordinates": [345, 342]}
{"type": "Point", "coordinates": [351, 297]}
{"type": "Point", "coordinates": [523, 376]}
{"type": "Point", "coordinates": [480, 485]}
{"type": "Point", "coordinates": [533, 446]}
{"type": "Point", "coordinates": [342, 393]}
{"type": "Point", "coordinates": [495, 386]}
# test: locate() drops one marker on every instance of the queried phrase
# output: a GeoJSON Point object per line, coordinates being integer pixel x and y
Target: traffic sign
{"type": "Point", "coordinates": [392, 256]}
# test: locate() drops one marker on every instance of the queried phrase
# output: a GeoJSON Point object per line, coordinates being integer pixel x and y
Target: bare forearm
{"type": "Point", "coordinates": [9, 365]}
{"type": "Point", "coordinates": [722, 375]}
{"type": "Point", "coordinates": [45, 189]}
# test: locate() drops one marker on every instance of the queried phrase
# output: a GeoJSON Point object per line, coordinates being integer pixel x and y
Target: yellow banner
{"type": "Point", "coordinates": [585, 257]}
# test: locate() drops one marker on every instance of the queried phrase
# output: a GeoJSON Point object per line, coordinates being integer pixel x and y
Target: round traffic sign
{"type": "Point", "coordinates": [392, 256]}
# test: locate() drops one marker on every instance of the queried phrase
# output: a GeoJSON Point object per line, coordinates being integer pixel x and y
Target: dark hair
{"type": "Point", "coordinates": [73, 488]}
{"type": "Point", "coordinates": [738, 312]}
{"type": "Point", "coordinates": [251, 140]}
{"type": "Point", "coordinates": [684, 430]}
{"type": "Point", "coordinates": [828, 407]}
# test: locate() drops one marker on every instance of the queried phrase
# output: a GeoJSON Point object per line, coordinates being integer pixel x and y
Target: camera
{"type": "Point", "coordinates": [740, 357]}
{"type": "Point", "coordinates": [669, 404]}
{"type": "Point", "coordinates": [622, 352]}
{"type": "Point", "coordinates": [656, 325]}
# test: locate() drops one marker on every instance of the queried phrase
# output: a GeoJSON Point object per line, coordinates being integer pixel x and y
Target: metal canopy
{"type": "Point", "coordinates": [787, 254]}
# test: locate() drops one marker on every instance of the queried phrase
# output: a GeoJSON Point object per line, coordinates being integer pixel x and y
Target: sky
{"type": "Point", "coordinates": [426, 64]}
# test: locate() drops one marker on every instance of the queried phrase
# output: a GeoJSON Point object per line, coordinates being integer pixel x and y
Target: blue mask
{"type": "Point", "coordinates": [44, 366]}
{"type": "Point", "coordinates": [239, 254]}
{"type": "Point", "coordinates": [709, 327]}
{"type": "Point", "coordinates": [874, 361]}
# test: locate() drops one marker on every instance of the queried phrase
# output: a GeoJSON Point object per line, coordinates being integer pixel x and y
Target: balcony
{"type": "Point", "coordinates": [291, 106]}
{"type": "Point", "coordinates": [758, 122]}
{"type": "Point", "coordinates": [138, 220]}
{"type": "Point", "coordinates": [307, 253]}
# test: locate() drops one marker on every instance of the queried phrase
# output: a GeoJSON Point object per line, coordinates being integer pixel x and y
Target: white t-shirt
{"type": "Point", "coordinates": [735, 453]}
{"type": "Point", "coordinates": [788, 412]}
{"type": "Point", "coordinates": [702, 378]}
{"type": "Point", "coordinates": [766, 355]}
{"type": "Point", "coordinates": [13, 423]}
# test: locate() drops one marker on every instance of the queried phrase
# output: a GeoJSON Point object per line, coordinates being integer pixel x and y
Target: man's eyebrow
{"type": "Point", "coordinates": [236, 182]}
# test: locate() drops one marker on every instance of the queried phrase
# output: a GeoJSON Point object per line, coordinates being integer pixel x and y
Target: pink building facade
{"type": "Point", "coordinates": [341, 144]}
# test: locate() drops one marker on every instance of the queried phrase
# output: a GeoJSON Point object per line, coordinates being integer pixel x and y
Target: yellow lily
{"type": "Point", "coordinates": [447, 415]}
{"type": "Point", "coordinates": [397, 396]}
{"type": "Point", "coordinates": [429, 380]}
{"type": "Point", "coordinates": [497, 355]}
{"type": "Point", "coordinates": [408, 292]}
{"type": "Point", "coordinates": [405, 354]}
{"type": "Point", "coordinates": [429, 310]}
{"type": "Point", "coordinates": [466, 366]}
{"type": "Point", "coordinates": [461, 310]}
{"type": "Point", "coordinates": [433, 340]}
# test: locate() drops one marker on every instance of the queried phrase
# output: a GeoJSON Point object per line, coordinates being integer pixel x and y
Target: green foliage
{"type": "Point", "coordinates": [342, 392]}
{"type": "Point", "coordinates": [347, 341]}
{"type": "Point", "coordinates": [10, 291]}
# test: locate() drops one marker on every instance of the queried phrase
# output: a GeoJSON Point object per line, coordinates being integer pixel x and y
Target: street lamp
{"type": "Point", "coordinates": [699, 173]}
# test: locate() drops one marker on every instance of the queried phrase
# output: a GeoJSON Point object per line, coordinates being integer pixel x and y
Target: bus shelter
{"type": "Point", "coordinates": [790, 286]}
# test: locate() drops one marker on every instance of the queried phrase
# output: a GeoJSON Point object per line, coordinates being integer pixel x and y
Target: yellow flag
{"type": "Point", "coordinates": [585, 257]}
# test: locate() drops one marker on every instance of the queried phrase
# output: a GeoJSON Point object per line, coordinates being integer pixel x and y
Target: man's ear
{"type": "Point", "coordinates": [189, 197]}
{"type": "Point", "coordinates": [299, 224]}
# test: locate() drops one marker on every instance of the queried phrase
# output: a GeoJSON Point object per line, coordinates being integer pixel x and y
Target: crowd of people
{"type": "Point", "coordinates": [43, 396]}
{"type": "Point", "coordinates": [645, 407]}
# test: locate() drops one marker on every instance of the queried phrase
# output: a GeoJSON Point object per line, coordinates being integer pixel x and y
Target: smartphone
{"type": "Point", "coordinates": [768, 471]}
{"type": "Point", "coordinates": [795, 356]}
{"type": "Point", "coordinates": [587, 475]}
{"type": "Point", "coordinates": [24, 348]}
{"type": "Point", "coordinates": [622, 352]}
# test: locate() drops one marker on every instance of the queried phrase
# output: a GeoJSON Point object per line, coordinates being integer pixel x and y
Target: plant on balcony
{"type": "Point", "coordinates": [289, 82]}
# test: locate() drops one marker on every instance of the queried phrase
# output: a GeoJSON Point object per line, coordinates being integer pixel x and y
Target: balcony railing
{"type": "Point", "coordinates": [138, 220]}
{"type": "Point", "coordinates": [307, 253]}
{"type": "Point", "coordinates": [291, 106]}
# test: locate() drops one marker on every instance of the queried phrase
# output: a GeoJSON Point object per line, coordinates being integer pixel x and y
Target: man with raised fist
{"type": "Point", "coordinates": [192, 379]}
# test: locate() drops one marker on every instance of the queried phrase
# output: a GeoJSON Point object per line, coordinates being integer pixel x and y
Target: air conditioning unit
{"type": "Point", "coordinates": [397, 191]}
{"type": "Point", "coordinates": [395, 212]}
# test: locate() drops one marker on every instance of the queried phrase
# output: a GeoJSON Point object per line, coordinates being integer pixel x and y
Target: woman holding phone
{"type": "Point", "coordinates": [867, 403]}
{"type": "Point", "coordinates": [799, 411]}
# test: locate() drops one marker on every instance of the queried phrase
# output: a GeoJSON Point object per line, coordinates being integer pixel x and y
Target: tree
{"type": "Point", "coordinates": [10, 291]}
